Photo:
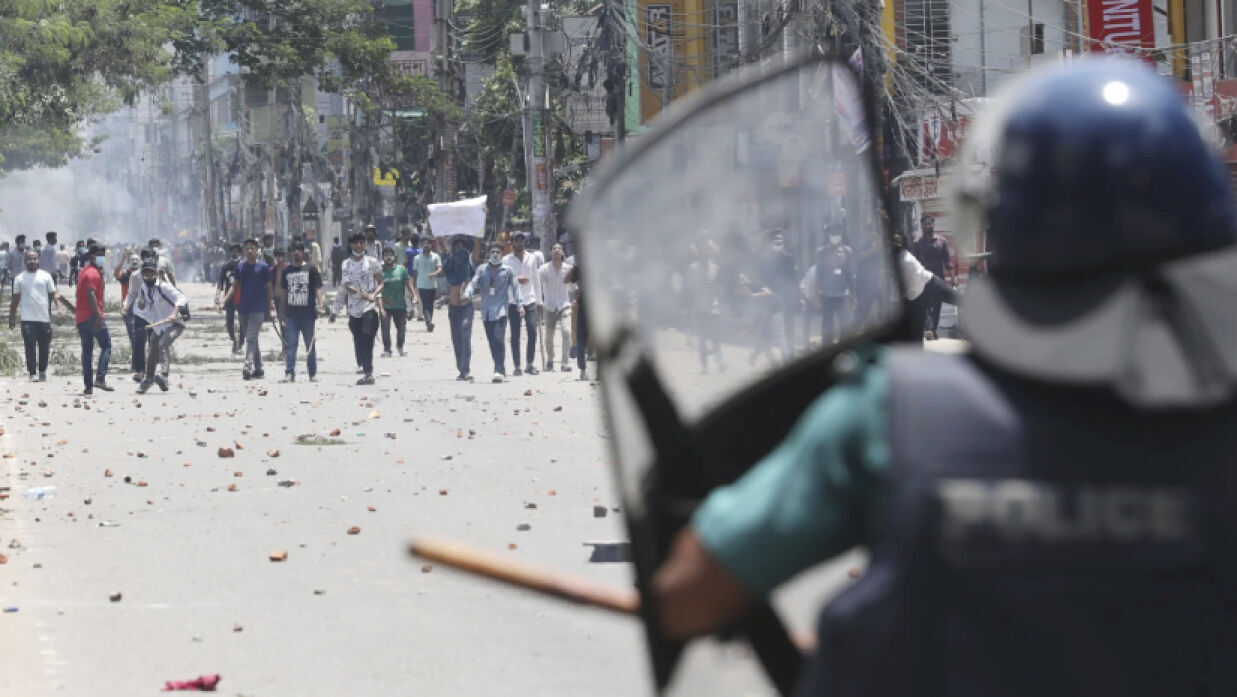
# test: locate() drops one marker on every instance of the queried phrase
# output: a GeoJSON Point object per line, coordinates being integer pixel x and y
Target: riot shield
{"type": "Point", "coordinates": [730, 259]}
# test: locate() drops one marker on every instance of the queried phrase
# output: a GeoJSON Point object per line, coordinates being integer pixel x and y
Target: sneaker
{"type": "Point", "coordinates": [141, 389]}
{"type": "Point", "coordinates": [288, 377]}
{"type": "Point", "coordinates": [313, 378]}
{"type": "Point", "coordinates": [385, 354]}
{"type": "Point", "coordinates": [498, 377]}
{"type": "Point", "coordinates": [430, 326]}
{"type": "Point", "coordinates": [162, 382]}
{"type": "Point", "coordinates": [583, 374]}
{"type": "Point", "coordinates": [246, 375]}
{"type": "Point", "coordinates": [401, 353]}
{"type": "Point", "coordinates": [530, 370]}
{"type": "Point", "coordinates": [517, 372]}
{"type": "Point", "coordinates": [258, 375]}
{"type": "Point", "coordinates": [367, 379]}
{"type": "Point", "coordinates": [43, 377]}
{"type": "Point", "coordinates": [566, 368]}
{"type": "Point", "coordinates": [459, 377]}
{"type": "Point", "coordinates": [549, 365]}
{"type": "Point", "coordinates": [87, 392]}
{"type": "Point", "coordinates": [101, 383]}
{"type": "Point", "coordinates": [468, 377]}
{"type": "Point", "coordinates": [138, 377]}
{"type": "Point", "coordinates": [34, 378]}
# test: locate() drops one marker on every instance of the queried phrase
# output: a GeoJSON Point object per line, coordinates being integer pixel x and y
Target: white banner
{"type": "Point", "coordinates": [466, 217]}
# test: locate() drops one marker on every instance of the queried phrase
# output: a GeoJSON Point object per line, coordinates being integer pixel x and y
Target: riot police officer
{"type": "Point", "coordinates": [1052, 512]}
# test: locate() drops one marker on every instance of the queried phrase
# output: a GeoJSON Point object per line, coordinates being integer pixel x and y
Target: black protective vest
{"type": "Point", "coordinates": [1040, 542]}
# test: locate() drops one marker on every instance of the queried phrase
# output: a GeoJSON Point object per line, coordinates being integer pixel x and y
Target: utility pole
{"type": "Point", "coordinates": [208, 150]}
{"type": "Point", "coordinates": [539, 177]}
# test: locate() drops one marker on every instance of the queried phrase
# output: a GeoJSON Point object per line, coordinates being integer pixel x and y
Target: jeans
{"type": "Point", "coordinates": [229, 313]}
{"type": "Point", "coordinates": [936, 292]}
{"type": "Point", "coordinates": [581, 336]}
{"type": "Point", "coordinates": [293, 330]}
{"type": "Point", "coordinates": [364, 329]}
{"type": "Point", "coordinates": [91, 336]}
{"type": "Point", "coordinates": [427, 304]}
{"type": "Point", "coordinates": [251, 327]}
{"type": "Point", "coordinates": [159, 357]}
{"type": "Point", "coordinates": [37, 334]}
{"type": "Point", "coordinates": [530, 324]}
{"type": "Point", "coordinates": [831, 308]}
{"type": "Point", "coordinates": [496, 333]}
{"type": "Point", "coordinates": [561, 320]}
{"type": "Point", "coordinates": [140, 337]}
{"type": "Point", "coordinates": [460, 317]}
{"type": "Point", "coordinates": [399, 316]}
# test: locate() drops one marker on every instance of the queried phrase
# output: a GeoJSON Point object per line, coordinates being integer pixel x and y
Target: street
{"type": "Point", "coordinates": [152, 562]}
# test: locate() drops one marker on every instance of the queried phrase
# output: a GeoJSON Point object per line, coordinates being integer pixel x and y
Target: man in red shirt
{"type": "Point", "coordinates": [90, 325]}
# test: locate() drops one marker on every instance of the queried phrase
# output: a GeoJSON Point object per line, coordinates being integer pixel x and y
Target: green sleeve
{"type": "Point", "coordinates": [812, 497]}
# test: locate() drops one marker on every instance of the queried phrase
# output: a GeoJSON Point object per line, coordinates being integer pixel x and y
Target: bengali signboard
{"type": "Point", "coordinates": [725, 37]}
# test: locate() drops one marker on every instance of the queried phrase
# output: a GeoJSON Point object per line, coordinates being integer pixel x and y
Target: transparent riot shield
{"type": "Point", "coordinates": [730, 259]}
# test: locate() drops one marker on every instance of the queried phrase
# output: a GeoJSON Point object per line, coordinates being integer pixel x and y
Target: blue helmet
{"type": "Point", "coordinates": [1112, 229]}
{"type": "Point", "coordinates": [1100, 166]}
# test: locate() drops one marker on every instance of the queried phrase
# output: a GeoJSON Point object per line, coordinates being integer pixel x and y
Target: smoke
{"type": "Point", "coordinates": [73, 201]}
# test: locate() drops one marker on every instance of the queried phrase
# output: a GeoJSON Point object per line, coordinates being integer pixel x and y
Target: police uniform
{"type": "Point", "coordinates": [1054, 512]}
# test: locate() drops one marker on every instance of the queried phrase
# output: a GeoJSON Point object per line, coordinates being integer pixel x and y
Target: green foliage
{"type": "Point", "coordinates": [63, 62]}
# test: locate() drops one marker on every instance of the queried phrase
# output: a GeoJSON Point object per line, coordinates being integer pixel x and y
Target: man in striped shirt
{"type": "Point", "coordinates": [556, 300]}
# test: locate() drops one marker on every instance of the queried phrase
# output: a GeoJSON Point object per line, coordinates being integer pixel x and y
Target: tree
{"type": "Point", "coordinates": [64, 62]}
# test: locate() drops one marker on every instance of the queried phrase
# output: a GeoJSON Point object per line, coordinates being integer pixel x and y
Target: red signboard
{"type": "Point", "coordinates": [1120, 26]}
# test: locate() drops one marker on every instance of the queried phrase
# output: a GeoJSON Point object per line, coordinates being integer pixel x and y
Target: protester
{"type": "Point", "coordinates": [523, 310]}
{"type": "Point", "coordinates": [254, 298]}
{"type": "Point", "coordinates": [167, 270]}
{"type": "Point", "coordinates": [35, 291]}
{"type": "Point", "coordinates": [458, 268]}
{"type": "Point", "coordinates": [835, 282]}
{"type": "Point", "coordinates": [337, 261]}
{"type": "Point", "coordinates": [362, 278]}
{"type": "Point", "coordinates": [411, 251]}
{"type": "Point", "coordinates": [4, 264]}
{"type": "Point", "coordinates": [701, 289]}
{"type": "Point", "coordinates": [373, 246]}
{"type": "Point", "coordinates": [300, 297]}
{"type": "Point", "coordinates": [556, 299]}
{"type": "Point", "coordinates": [47, 258]}
{"type": "Point", "coordinates": [580, 350]}
{"type": "Point", "coordinates": [313, 250]}
{"type": "Point", "coordinates": [933, 253]}
{"type": "Point", "coordinates": [426, 269]}
{"type": "Point", "coordinates": [17, 257]}
{"type": "Point", "coordinates": [223, 289]}
{"type": "Point", "coordinates": [396, 283]}
{"type": "Point", "coordinates": [158, 304]}
{"type": "Point", "coordinates": [267, 252]}
{"type": "Point", "coordinates": [496, 285]}
{"type": "Point", "coordinates": [91, 327]}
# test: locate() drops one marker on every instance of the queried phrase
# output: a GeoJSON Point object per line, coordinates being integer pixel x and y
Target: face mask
{"type": "Point", "coordinates": [80, 250]}
{"type": "Point", "coordinates": [361, 253]}
{"type": "Point", "coordinates": [100, 261]}
{"type": "Point", "coordinates": [236, 258]}
{"type": "Point", "coordinates": [495, 258]}
{"type": "Point", "coordinates": [389, 261]}
{"type": "Point", "coordinates": [835, 239]}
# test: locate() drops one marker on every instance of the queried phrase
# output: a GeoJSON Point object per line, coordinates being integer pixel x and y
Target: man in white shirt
{"type": "Point", "coordinates": [556, 299]}
{"type": "Point", "coordinates": [315, 251]}
{"type": "Point", "coordinates": [923, 288]}
{"type": "Point", "coordinates": [159, 304]}
{"type": "Point", "coordinates": [373, 245]}
{"type": "Point", "coordinates": [35, 290]}
{"type": "Point", "coordinates": [362, 275]}
{"type": "Point", "coordinates": [523, 266]}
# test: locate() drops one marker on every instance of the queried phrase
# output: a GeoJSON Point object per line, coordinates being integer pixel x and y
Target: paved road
{"type": "Point", "coordinates": [345, 614]}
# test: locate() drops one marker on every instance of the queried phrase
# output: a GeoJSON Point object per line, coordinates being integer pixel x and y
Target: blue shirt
{"type": "Point", "coordinates": [410, 255]}
{"type": "Point", "coordinates": [496, 286]}
{"type": "Point", "coordinates": [253, 280]}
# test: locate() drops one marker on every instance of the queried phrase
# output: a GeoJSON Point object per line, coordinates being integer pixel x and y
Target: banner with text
{"type": "Point", "coordinates": [466, 217]}
{"type": "Point", "coordinates": [1120, 26]}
